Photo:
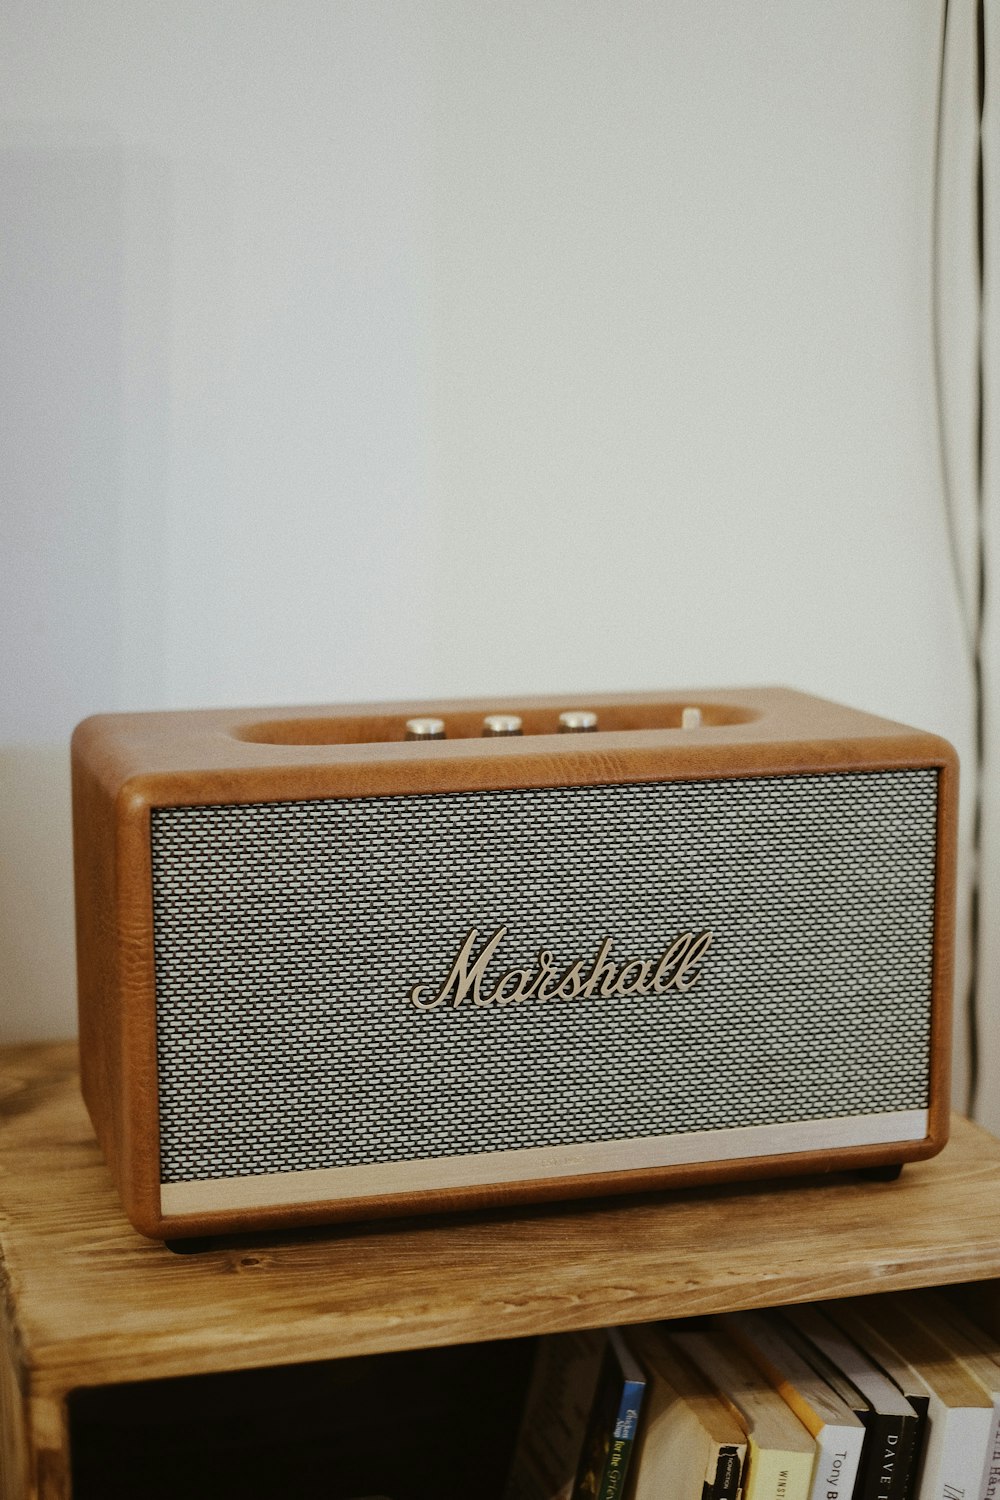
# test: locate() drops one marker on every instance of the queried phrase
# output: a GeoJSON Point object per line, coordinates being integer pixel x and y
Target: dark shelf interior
{"type": "Point", "coordinates": [425, 1423]}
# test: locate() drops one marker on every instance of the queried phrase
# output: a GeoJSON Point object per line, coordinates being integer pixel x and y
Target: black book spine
{"type": "Point", "coordinates": [921, 1405]}
{"type": "Point", "coordinates": [888, 1463]}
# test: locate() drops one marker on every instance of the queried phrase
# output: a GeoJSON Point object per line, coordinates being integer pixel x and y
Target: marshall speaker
{"type": "Point", "coordinates": [352, 961]}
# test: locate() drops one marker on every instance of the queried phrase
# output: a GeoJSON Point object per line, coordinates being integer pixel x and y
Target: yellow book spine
{"type": "Point", "coordinates": [778, 1475]}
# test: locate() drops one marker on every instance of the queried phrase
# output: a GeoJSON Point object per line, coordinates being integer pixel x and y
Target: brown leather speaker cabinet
{"type": "Point", "coordinates": [327, 970]}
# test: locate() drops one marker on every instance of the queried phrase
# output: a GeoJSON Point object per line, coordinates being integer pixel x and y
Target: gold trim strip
{"type": "Point", "coordinates": [332, 1184]}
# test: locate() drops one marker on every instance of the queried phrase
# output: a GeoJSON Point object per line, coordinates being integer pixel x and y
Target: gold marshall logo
{"type": "Point", "coordinates": [677, 969]}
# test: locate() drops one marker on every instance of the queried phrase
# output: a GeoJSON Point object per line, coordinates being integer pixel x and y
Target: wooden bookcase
{"type": "Point", "coordinates": [387, 1357]}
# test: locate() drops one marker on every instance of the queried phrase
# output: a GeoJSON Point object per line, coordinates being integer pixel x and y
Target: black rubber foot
{"type": "Point", "coordinates": [881, 1174]}
{"type": "Point", "coordinates": [190, 1247]}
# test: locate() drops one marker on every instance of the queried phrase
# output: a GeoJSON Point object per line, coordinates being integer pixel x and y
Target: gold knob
{"type": "Point", "coordinates": [425, 729]}
{"type": "Point", "coordinates": [577, 721]}
{"type": "Point", "coordinates": [501, 724]}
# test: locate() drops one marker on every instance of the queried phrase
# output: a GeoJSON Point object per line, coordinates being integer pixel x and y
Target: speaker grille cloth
{"type": "Point", "coordinates": [288, 937]}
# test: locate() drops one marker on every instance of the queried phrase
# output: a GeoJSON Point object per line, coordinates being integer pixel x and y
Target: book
{"type": "Point", "coordinates": [823, 1410]}
{"type": "Point", "coordinates": [611, 1427]}
{"type": "Point", "coordinates": [780, 1451]}
{"type": "Point", "coordinates": [849, 1393]}
{"type": "Point", "coordinates": [960, 1417]}
{"type": "Point", "coordinates": [690, 1444]}
{"type": "Point", "coordinates": [889, 1459]}
{"type": "Point", "coordinates": [556, 1408]}
{"type": "Point", "coordinates": [977, 1350]}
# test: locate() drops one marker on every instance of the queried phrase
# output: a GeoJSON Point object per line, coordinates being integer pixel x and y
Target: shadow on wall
{"type": "Point", "coordinates": [37, 965]}
{"type": "Point", "coordinates": [83, 380]}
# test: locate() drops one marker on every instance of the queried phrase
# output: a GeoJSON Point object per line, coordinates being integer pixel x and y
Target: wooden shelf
{"type": "Point", "coordinates": [91, 1303]}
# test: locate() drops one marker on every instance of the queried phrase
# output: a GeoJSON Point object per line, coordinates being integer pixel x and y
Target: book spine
{"type": "Point", "coordinates": [776, 1474]}
{"type": "Point", "coordinates": [889, 1470]}
{"type": "Point", "coordinates": [990, 1487]}
{"type": "Point", "coordinates": [956, 1454]}
{"type": "Point", "coordinates": [838, 1459]}
{"type": "Point", "coordinates": [612, 1485]}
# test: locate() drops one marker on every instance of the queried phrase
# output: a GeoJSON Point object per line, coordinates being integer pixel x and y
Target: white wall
{"type": "Point", "coordinates": [365, 349]}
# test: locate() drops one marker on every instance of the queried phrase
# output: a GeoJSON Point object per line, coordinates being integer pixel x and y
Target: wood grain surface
{"type": "Point", "coordinates": [92, 1302]}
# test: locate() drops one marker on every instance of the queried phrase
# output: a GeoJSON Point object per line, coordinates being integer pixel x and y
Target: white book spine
{"type": "Point", "coordinates": [956, 1452]}
{"type": "Point", "coordinates": [990, 1486]}
{"type": "Point", "coordinates": [838, 1457]}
